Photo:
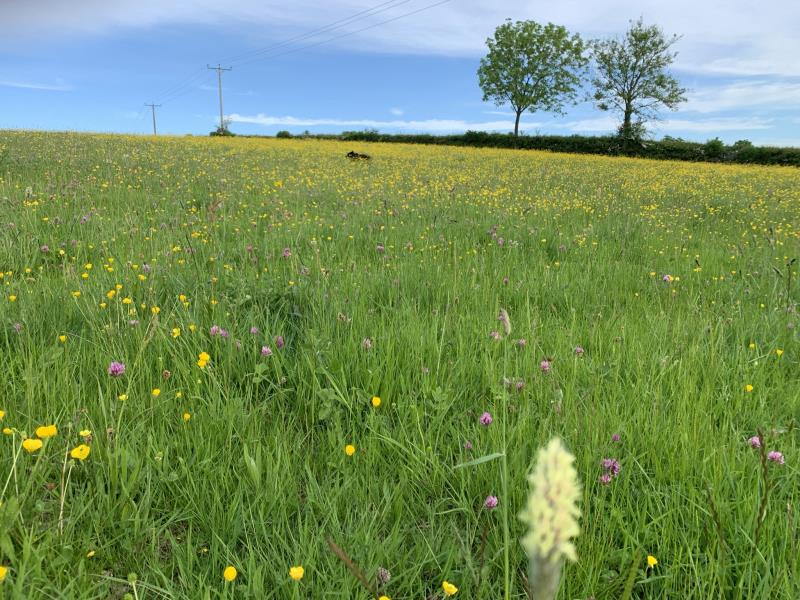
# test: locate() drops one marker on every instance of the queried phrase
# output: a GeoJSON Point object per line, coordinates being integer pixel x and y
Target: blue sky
{"type": "Point", "coordinates": [92, 64]}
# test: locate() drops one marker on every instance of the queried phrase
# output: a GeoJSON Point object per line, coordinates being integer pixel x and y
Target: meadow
{"type": "Point", "coordinates": [223, 353]}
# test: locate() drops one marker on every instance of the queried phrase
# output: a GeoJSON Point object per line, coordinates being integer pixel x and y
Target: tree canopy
{"type": "Point", "coordinates": [532, 67]}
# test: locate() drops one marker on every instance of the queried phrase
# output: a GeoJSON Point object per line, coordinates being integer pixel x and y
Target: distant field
{"type": "Point", "coordinates": [259, 293]}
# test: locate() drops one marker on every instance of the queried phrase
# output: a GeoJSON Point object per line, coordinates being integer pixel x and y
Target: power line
{"type": "Point", "coordinates": [153, 109]}
{"type": "Point", "coordinates": [370, 12]}
{"type": "Point", "coordinates": [349, 33]}
{"type": "Point", "coordinates": [219, 69]}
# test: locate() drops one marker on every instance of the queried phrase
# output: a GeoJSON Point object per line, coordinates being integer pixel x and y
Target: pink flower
{"type": "Point", "coordinates": [286, 253]}
{"type": "Point", "coordinates": [279, 343]}
{"type": "Point", "coordinates": [611, 466]}
{"type": "Point", "coordinates": [366, 343]}
{"type": "Point", "coordinates": [776, 457]}
{"type": "Point", "coordinates": [266, 351]}
{"type": "Point", "coordinates": [486, 419]}
{"type": "Point", "coordinates": [215, 330]}
{"type": "Point", "coordinates": [755, 442]}
{"type": "Point", "coordinates": [490, 503]}
{"type": "Point", "coordinates": [545, 366]}
{"type": "Point", "coordinates": [615, 437]}
{"type": "Point", "coordinates": [116, 369]}
{"type": "Point", "coordinates": [254, 330]}
{"type": "Point", "coordinates": [379, 248]}
{"type": "Point", "coordinates": [579, 350]}
{"type": "Point", "coordinates": [495, 335]}
{"type": "Point", "coordinates": [467, 445]}
{"type": "Point", "coordinates": [605, 478]}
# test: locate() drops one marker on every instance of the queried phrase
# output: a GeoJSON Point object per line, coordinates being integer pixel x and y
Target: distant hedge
{"type": "Point", "coordinates": [666, 149]}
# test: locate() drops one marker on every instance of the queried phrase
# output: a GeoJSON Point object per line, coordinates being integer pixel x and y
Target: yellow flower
{"type": "Point", "coordinates": [779, 352]}
{"type": "Point", "coordinates": [2, 414]}
{"type": "Point", "coordinates": [80, 452]}
{"type": "Point", "coordinates": [192, 327]}
{"type": "Point", "coordinates": [179, 394]}
{"type": "Point", "coordinates": [76, 294]}
{"type": "Point", "coordinates": [376, 401]}
{"type": "Point", "coordinates": [296, 573]}
{"type": "Point", "coordinates": [31, 445]}
{"type": "Point", "coordinates": [62, 339]}
{"type": "Point", "coordinates": [230, 573]}
{"type": "Point", "coordinates": [176, 332]}
{"type": "Point", "coordinates": [7, 431]}
{"type": "Point", "coordinates": [90, 554]}
{"type": "Point", "coordinates": [204, 356]}
{"type": "Point", "coordinates": [651, 561]}
{"type": "Point", "coordinates": [127, 300]}
{"type": "Point", "coordinates": [202, 364]}
{"type": "Point", "coordinates": [3, 573]}
{"type": "Point", "coordinates": [186, 416]}
{"type": "Point", "coordinates": [46, 431]}
{"type": "Point", "coordinates": [12, 298]}
{"type": "Point", "coordinates": [122, 397]}
{"type": "Point", "coordinates": [748, 388]}
{"type": "Point", "coordinates": [110, 294]}
{"type": "Point", "coordinates": [156, 392]}
{"type": "Point", "coordinates": [384, 598]}
{"type": "Point", "coordinates": [449, 588]}
{"type": "Point", "coordinates": [155, 310]}
{"type": "Point", "coordinates": [349, 449]}
{"type": "Point", "coordinates": [85, 432]}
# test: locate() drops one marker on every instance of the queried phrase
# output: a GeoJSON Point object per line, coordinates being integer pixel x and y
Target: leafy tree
{"type": "Point", "coordinates": [631, 77]}
{"type": "Point", "coordinates": [532, 67]}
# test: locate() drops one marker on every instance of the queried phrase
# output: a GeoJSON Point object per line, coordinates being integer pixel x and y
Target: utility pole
{"type": "Point", "coordinates": [219, 69]}
{"type": "Point", "coordinates": [153, 109]}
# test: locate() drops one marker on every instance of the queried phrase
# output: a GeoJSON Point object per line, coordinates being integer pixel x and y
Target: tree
{"type": "Point", "coordinates": [631, 77]}
{"type": "Point", "coordinates": [532, 67]}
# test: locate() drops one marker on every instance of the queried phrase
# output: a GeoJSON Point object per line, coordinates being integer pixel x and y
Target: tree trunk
{"type": "Point", "coordinates": [627, 132]}
{"type": "Point", "coordinates": [516, 123]}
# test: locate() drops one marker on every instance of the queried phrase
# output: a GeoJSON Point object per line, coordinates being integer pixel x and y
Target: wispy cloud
{"type": "Point", "coordinates": [427, 125]}
{"type": "Point", "coordinates": [29, 85]}
{"type": "Point", "coordinates": [745, 94]}
{"type": "Point", "coordinates": [397, 112]}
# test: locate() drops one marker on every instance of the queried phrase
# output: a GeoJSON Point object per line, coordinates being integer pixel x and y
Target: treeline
{"type": "Point", "coordinates": [668, 148]}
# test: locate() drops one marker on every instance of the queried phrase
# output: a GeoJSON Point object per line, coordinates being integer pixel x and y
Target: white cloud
{"type": "Point", "coordinates": [397, 112]}
{"type": "Point", "coordinates": [59, 86]}
{"type": "Point", "coordinates": [427, 125]}
{"type": "Point", "coordinates": [745, 94]}
{"type": "Point", "coordinates": [738, 37]}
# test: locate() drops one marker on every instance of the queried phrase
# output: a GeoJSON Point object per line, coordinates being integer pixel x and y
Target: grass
{"type": "Point", "coordinates": [385, 278]}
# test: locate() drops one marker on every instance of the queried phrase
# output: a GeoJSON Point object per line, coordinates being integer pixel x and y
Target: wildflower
{"type": "Point", "coordinates": [215, 329]}
{"type": "Point", "coordinates": [7, 431]}
{"type": "Point", "coordinates": [755, 442]}
{"type": "Point", "coordinates": [122, 397]}
{"type": "Point", "coordinates": [12, 298]}
{"type": "Point", "coordinates": [490, 503]}
{"type": "Point", "coordinates": [176, 332]}
{"type": "Point", "coordinates": [349, 449]}
{"type": "Point", "coordinates": [230, 573]}
{"type": "Point", "coordinates": [376, 401]}
{"type": "Point", "coordinates": [579, 351]}
{"type": "Point", "coordinates": [286, 253]}
{"type": "Point", "coordinates": [467, 445]}
{"type": "Point", "coordinates": [384, 598]}
{"type": "Point", "coordinates": [651, 561]}
{"type": "Point", "coordinates": [116, 369]}
{"type": "Point", "coordinates": [156, 392]}
{"type": "Point", "coordinates": [279, 343]}
{"type": "Point", "coordinates": [18, 327]}
{"type": "Point", "coordinates": [155, 310]}
{"type": "Point", "coordinates": [504, 321]}
{"type": "Point", "coordinates": [495, 335]}
{"type": "Point", "coordinates": [90, 553]}
{"type": "Point", "coordinates": [3, 573]}
{"type": "Point", "coordinates": [552, 515]}
{"type": "Point", "coordinates": [449, 589]}
{"type": "Point", "coordinates": [779, 352]}
{"type": "Point", "coordinates": [776, 457]}
{"type": "Point", "coordinates": [62, 339]}
{"type": "Point", "coordinates": [667, 278]}
{"type": "Point", "coordinates": [31, 445]}
{"type": "Point", "coordinates": [80, 452]}
{"type": "Point", "coordinates": [254, 330]}
{"type": "Point", "coordinates": [615, 437]}
{"type": "Point", "coordinates": [611, 465]}
{"type": "Point", "coordinates": [383, 576]}
{"type": "Point", "coordinates": [266, 351]}
{"type": "Point", "coordinates": [296, 573]}
{"type": "Point", "coordinates": [485, 419]}
{"type": "Point", "coordinates": [85, 432]}
{"type": "Point", "coordinates": [2, 414]}
{"type": "Point", "coordinates": [748, 388]}
{"type": "Point", "coordinates": [186, 417]}
{"type": "Point", "coordinates": [605, 478]}
{"type": "Point", "coordinates": [545, 366]}
{"type": "Point", "coordinates": [202, 359]}
{"type": "Point", "coordinates": [366, 343]}
{"type": "Point", "coordinates": [46, 431]}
